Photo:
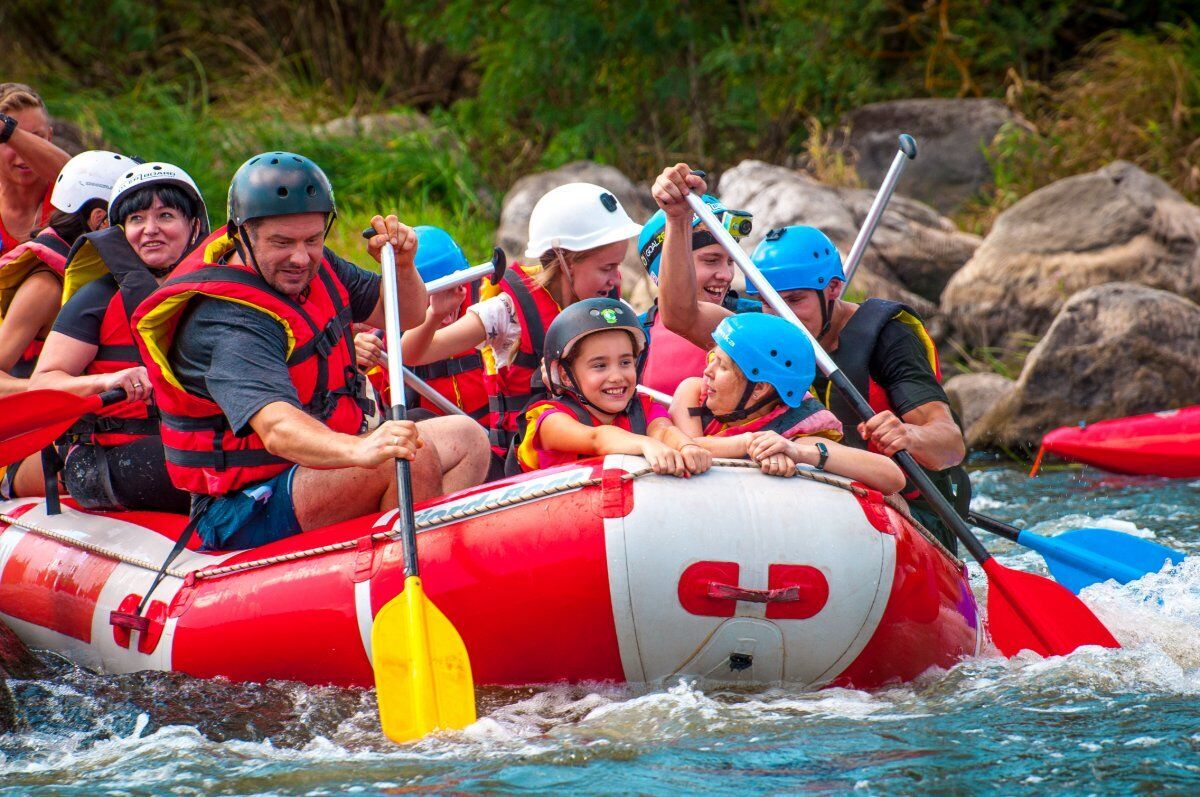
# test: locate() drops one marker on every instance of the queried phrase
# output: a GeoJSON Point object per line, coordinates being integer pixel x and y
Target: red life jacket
{"type": "Point", "coordinates": [45, 251]}
{"type": "Point", "coordinates": [203, 454]}
{"type": "Point", "coordinates": [808, 420]}
{"type": "Point", "coordinates": [93, 254]}
{"type": "Point", "coordinates": [523, 456]}
{"type": "Point", "coordinates": [510, 388]}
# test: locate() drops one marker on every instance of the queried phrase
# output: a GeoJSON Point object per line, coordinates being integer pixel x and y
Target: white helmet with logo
{"type": "Point", "coordinates": [89, 175]}
{"type": "Point", "coordinates": [154, 173]}
{"type": "Point", "coordinates": [577, 217]}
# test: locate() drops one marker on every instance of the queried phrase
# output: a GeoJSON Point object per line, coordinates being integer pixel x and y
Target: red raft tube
{"type": "Point", "coordinates": [598, 571]}
{"type": "Point", "coordinates": [1158, 444]}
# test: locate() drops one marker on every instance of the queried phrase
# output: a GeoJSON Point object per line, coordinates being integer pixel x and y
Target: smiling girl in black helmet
{"type": "Point", "coordinates": [591, 369]}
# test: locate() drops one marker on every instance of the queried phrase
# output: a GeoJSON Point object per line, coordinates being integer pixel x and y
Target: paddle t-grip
{"type": "Point", "coordinates": [907, 150]}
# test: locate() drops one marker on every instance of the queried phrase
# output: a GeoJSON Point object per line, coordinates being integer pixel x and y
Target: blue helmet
{"type": "Point", "coordinates": [768, 349]}
{"type": "Point", "coordinates": [797, 257]}
{"type": "Point", "coordinates": [654, 231]}
{"type": "Point", "coordinates": [437, 253]}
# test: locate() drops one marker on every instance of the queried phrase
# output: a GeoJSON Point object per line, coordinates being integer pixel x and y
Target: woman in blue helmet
{"type": "Point", "coordinates": [753, 402]}
{"type": "Point", "coordinates": [674, 358]}
{"type": "Point", "coordinates": [881, 346]}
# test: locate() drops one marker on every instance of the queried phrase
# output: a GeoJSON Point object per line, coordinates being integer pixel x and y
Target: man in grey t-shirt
{"type": "Point", "coordinates": [285, 459]}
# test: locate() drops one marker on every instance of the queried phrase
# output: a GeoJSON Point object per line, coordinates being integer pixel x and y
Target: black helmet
{"type": "Point", "coordinates": [580, 320]}
{"type": "Point", "coordinates": [278, 184]}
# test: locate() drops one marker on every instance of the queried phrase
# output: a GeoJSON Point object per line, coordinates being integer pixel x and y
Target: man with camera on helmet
{"type": "Point", "coordinates": [881, 346]}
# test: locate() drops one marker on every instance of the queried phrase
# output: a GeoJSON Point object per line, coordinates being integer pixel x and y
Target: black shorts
{"type": "Point", "coordinates": [132, 476]}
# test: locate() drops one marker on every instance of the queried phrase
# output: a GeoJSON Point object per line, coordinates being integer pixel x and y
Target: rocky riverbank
{"type": "Point", "coordinates": [1084, 292]}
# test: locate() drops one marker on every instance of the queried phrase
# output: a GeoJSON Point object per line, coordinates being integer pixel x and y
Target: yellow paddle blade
{"type": "Point", "coordinates": [422, 672]}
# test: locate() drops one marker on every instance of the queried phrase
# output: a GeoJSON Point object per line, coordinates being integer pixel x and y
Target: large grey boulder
{"type": "Point", "coordinates": [1115, 224]}
{"type": "Point", "coordinates": [912, 254]}
{"type": "Point", "coordinates": [952, 138]}
{"type": "Point", "coordinates": [513, 233]}
{"type": "Point", "coordinates": [1114, 350]}
{"type": "Point", "coordinates": [972, 395]}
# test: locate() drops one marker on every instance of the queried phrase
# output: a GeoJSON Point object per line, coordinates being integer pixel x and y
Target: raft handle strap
{"type": "Point", "coordinates": [136, 621]}
{"type": "Point", "coordinates": [733, 593]}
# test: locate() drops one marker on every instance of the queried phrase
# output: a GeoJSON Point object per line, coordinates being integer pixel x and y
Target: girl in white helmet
{"type": "Point", "coordinates": [31, 274]}
{"type": "Point", "coordinates": [579, 233]}
{"type": "Point", "coordinates": [114, 460]}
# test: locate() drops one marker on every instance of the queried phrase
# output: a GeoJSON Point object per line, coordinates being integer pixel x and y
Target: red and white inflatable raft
{"type": "Point", "coordinates": [576, 573]}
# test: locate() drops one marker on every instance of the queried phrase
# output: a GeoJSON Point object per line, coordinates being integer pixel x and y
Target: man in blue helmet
{"type": "Point", "coordinates": [881, 346]}
{"type": "Point", "coordinates": [674, 358]}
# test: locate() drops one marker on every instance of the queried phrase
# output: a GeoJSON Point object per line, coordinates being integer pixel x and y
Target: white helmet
{"type": "Point", "coordinates": [89, 175]}
{"type": "Point", "coordinates": [578, 216]}
{"type": "Point", "coordinates": [146, 174]}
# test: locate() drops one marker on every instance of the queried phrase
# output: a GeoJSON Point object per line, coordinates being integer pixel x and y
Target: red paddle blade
{"type": "Point", "coordinates": [1028, 612]}
{"type": "Point", "coordinates": [32, 420]}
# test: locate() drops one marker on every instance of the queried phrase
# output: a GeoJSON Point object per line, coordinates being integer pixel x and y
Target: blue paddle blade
{"type": "Point", "coordinates": [1082, 557]}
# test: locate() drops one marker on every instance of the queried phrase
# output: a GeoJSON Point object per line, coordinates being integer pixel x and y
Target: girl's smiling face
{"type": "Point", "coordinates": [605, 369]}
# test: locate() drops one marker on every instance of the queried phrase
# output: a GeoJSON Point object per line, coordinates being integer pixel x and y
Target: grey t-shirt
{"type": "Point", "coordinates": [237, 356]}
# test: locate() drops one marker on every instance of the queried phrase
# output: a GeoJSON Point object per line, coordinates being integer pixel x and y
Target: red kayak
{"type": "Point", "coordinates": [1159, 444]}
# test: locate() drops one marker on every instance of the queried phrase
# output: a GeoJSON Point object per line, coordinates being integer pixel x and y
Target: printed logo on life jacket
{"type": "Point", "coordinates": [499, 499]}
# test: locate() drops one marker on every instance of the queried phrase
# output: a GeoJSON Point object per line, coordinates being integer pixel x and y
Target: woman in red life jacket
{"type": "Point", "coordinates": [29, 162]}
{"type": "Point", "coordinates": [459, 378]}
{"type": "Point", "coordinates": [594, 409]}
{"type": "Point", "coordinates": [579, 234]}
{"type": "Point", "coordinates": [31, 274]}
{"type": "Point", "coordinates": [753, 402]}
{"type": "Point", "coordinates": [114, 460]}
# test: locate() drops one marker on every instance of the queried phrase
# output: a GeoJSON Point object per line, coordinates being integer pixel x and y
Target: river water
{"type": "Point", "coordinates": [1095, 722]}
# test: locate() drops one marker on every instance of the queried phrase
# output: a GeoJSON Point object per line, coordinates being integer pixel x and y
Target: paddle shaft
{"type": "Point", "coordinates": [435, 398]}
{"type": "Point", "coordinates": [399, 411]}
{"type": "Point", "coordinates": [995, 526]}
{"type": "Point", "coordinates": [907, 151]}
{"type": "Point", "coordinates": [839, 380]}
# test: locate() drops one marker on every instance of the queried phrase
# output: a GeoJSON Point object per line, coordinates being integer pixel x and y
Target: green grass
{"type": "Point", "coordinates": [425, 176]}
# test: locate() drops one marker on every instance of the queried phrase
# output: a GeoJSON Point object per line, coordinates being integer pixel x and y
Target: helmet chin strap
{"type": "Point", "coordinates": [241, 243]}
{"type": "Point", "coordinates": [740, 411]}
{"type": "Point", "coordinates": [826, 312]}
{"type": "Point", "coordinates": [562, 261]}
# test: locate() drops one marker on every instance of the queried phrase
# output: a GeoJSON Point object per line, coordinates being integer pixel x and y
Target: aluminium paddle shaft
{"type": "Point", "coordinates": [399, 410]}
{"type": "Point", "coordinates": [907, 150]}
{"type": "Point", "coordinates": [839, 380]}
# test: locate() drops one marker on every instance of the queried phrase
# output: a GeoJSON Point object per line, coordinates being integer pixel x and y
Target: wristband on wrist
{"type": "Point", "coordinates": [822, 455]}
{"type": "Point", "coordinates": [9, 125]}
